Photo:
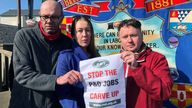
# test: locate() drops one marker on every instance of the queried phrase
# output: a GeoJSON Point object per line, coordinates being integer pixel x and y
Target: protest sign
{"type": "Point", "coordinates": [104, 82]}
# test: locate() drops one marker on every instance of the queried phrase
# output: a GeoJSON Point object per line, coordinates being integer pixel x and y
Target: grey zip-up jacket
{"type": "Point", "coordinates": [34, 62]}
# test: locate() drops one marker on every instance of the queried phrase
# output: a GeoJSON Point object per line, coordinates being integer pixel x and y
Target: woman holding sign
{"type": "Point", "coordinates": [71, 94]}
{"type": "Point", "coordinates": [147, 72]}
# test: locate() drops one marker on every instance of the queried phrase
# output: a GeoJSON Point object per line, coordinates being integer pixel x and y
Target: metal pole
{"type": "Point", "coordinates": [19, 13]}
{"type": "Point", "coordinates": [30, 9]}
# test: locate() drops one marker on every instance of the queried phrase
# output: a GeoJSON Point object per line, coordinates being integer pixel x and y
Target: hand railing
{"type": "Point", "coordinates": [5, 57]}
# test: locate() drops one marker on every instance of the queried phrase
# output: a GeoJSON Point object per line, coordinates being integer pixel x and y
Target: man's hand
{"type": "Point", "coordinates": [129, 58]}
{"type": "Point", "coordinates": [71, 77]}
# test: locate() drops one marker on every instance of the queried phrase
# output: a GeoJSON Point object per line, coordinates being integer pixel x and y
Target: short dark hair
{"type": "Point", "coordinates": [130, 22]}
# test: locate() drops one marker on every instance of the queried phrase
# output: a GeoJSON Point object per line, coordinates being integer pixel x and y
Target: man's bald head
{"type": "Point", "coordinates": [51, 16]}
{"type": "Point", "coordinates": [51, 6]}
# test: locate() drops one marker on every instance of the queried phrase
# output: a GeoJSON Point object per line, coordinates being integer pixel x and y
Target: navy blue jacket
{"type": "Point", "coordinates": [70, 96]}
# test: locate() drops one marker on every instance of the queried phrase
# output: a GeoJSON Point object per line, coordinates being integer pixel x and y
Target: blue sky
{"type": "Point", "coordinates": [5, 5]}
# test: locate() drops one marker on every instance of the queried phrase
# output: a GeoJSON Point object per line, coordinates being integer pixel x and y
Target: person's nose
{"type": "Point", "coordinates": [129, 39]}
{"type": "Point", "coordinates": [48, 19]}
{"type": "Point", "coordinates": [84, 33]}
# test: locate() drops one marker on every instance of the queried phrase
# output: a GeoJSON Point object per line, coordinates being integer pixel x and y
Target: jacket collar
{"type": "Point", "coordinates": [142, 55]}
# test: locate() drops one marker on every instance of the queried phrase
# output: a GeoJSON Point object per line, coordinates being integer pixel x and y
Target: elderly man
{"type": "Point", "coordinates": [35, 54]}
{"type": "Point", "coordinates": [147, 72]}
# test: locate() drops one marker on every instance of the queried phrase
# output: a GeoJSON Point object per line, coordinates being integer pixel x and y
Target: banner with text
{"type": "Point", "coordinates": [166, 28]}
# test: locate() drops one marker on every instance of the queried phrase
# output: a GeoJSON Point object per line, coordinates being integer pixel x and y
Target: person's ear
{"type": "Point", "coordinates": [119, 40]}
{"type": "Point", "coordinates": [118, 36]}
{"type": "Point", "coordinates": [61, 19]}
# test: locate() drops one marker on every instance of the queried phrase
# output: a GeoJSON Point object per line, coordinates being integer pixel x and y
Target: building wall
{"type": "Point", "coordinates": [13, 20]}
{"type": "Point", "coordinates": [9, 20]}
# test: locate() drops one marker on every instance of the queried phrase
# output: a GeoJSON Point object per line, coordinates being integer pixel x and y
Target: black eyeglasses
{"type": "Point", "coordinates": [53, 18]}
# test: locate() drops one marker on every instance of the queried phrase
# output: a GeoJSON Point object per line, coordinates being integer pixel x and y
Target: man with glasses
{"type": "Point", "coordinates": [35, 54]}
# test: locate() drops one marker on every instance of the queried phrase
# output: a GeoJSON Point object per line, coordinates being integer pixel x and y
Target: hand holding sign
{"type": "Point", "coordinates": [71, 77]}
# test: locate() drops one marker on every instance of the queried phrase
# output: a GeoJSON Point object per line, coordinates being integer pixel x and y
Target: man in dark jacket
{"type": "Point", "coordinates": [35, 54]}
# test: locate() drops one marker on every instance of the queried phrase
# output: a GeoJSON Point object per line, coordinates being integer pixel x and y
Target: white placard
{"type": "Point", "coordinates": [104, 82]}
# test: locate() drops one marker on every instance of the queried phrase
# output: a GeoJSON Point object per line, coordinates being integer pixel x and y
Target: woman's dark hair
{"type": "Point", "coordinates": [130, 22]}
{"type": "Point", "coordinates": [91, 47]}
